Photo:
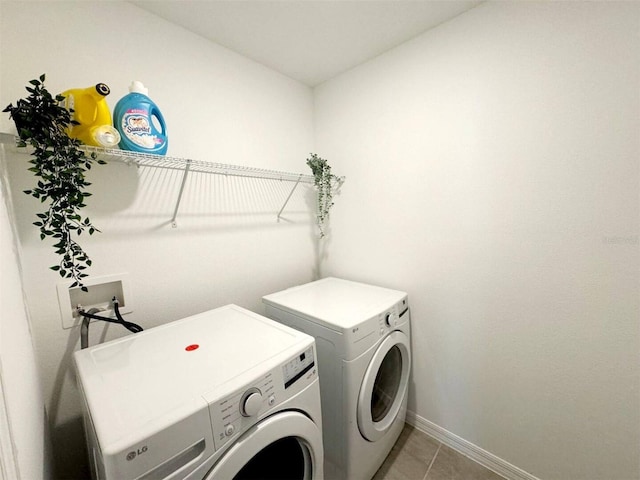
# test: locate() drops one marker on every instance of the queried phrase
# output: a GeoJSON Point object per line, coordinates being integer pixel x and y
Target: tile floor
{"type": "Point", "coordinates": [416, 456]}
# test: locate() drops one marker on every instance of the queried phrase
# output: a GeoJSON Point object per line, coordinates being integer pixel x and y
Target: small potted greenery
{"type": "Point", "coordinates": [60, 166]}
{"type": "Point", "coordinates": [324, 182]}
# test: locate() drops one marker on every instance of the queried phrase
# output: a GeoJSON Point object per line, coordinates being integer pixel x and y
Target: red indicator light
{"type": "Point", "coordinates": [193, 347]}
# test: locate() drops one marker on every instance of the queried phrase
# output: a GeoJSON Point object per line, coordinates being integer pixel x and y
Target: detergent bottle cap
{"type": "Point", "coordinates": [102, 89]}
{"type": "Point", "coordinates": [137, 87]}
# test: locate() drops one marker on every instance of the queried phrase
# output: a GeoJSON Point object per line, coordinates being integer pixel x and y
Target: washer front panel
{"type": "Point", "coordinates": [276, 427]}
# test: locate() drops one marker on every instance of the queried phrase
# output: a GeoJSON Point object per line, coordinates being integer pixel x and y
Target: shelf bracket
{"type": "Point", "coordinates": [184, 181]}
{"type": "Point", "coordinates": [289, 197]}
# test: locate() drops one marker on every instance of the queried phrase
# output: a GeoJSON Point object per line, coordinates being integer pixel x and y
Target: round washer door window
{"type": "Point", "coordinates": [285, 446]}
{"type": "Point", "coordinates": [384, 386]}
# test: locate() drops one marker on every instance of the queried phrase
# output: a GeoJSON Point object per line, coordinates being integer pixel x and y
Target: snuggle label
{"type": "Point", "coordinates": [137, 128]}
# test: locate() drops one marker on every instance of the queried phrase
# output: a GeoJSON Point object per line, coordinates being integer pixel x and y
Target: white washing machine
{"type": "Point", "coordinates": [226, 394]}
{"type": "Point", "coordinates": [362, 336]}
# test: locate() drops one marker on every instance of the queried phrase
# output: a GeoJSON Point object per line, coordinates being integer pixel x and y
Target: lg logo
{"type": "Point", "coordinates": [134, 453]}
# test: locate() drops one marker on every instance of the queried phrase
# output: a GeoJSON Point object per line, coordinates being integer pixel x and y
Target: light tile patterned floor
{"type": "Point", "coordinates": [416, 456]}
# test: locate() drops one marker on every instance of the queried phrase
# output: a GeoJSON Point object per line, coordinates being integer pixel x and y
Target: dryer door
{"type": "Point", "coordinates": [286, 445]}
{"type": "Point", "coordinates": [384, 386]}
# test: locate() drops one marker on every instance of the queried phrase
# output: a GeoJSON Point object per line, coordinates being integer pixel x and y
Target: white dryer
{"type": "Point", "coordinates": [362, 336]}
{"type": "Point", "coordinates": [226, 394]}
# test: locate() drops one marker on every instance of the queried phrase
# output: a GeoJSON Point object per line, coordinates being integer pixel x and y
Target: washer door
{"type": "Point", "coordinates": [286, 445]}
{"type": "Point", "coordinates": [384, 386]}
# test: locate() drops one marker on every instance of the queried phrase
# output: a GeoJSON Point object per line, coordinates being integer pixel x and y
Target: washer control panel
{"type": "Point", "coordinates": [297, 367]}
{"type": "Point", "coordinates": [235, 413]}
{"type": "Point", "coordinates": [231, 411]}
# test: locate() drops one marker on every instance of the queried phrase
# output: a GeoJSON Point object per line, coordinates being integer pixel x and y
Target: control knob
{"type": "Point", "coordinates": [251, 402]}
{"type": "Point", "coordinates": [390, 319]}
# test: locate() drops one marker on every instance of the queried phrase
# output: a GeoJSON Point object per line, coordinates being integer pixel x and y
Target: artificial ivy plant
{"type": "Point", "coordinates": [60, 166]}
{"type": "Point", "coordinates": [324, 182]}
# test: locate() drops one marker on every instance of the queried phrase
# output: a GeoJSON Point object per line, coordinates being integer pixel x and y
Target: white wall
{"type": "Point", "coordinates": [219, 106]}
{"type": "Point", "coordinates": [493, 168]}
{"type": "Point", "coordinates": [25, 449]}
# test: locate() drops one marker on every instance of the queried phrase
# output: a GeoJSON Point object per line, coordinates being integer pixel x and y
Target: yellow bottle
{"type": "Point", "coordinates": [88, 107]}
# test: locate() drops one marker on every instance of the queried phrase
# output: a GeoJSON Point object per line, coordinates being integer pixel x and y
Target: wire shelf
{"type": "Point", "coordinates": [185, 165]}
{"type": "Point", "coordinates": [175, 163]}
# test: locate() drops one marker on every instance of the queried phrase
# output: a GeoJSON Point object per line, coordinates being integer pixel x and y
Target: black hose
{"type": "Point", "coordinates": [132, 327]}
{"type": "Point", "coordinates": [91, 314]}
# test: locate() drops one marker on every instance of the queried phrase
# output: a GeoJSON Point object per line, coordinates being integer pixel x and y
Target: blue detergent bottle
{"type": "Point", "coordinates": [140, 122]}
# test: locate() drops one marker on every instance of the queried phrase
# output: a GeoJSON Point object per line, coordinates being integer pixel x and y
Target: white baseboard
{"type": "Point", "coordinates": [468, 449]}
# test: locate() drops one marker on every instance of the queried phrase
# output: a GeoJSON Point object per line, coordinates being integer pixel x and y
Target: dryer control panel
{"type": "Point", "coordinates": [394, 317]}
{"type": "Point", "coordinates": [366, 334]}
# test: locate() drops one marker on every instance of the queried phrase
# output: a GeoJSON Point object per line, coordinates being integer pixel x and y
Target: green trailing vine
{"type": "Point", "coordinates": [60, 166]}
{"type": "Point", "coordinates": [324, 181]}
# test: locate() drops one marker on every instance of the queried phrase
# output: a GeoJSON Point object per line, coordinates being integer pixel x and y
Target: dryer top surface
{"type": "Point", "coordinates": [336, 303]}
{"type": "Point", "coordinates": [164, 372]}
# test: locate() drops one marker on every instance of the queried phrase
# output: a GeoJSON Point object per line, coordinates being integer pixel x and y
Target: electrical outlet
{"type": "Point", "coordinates": [101, 291]}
